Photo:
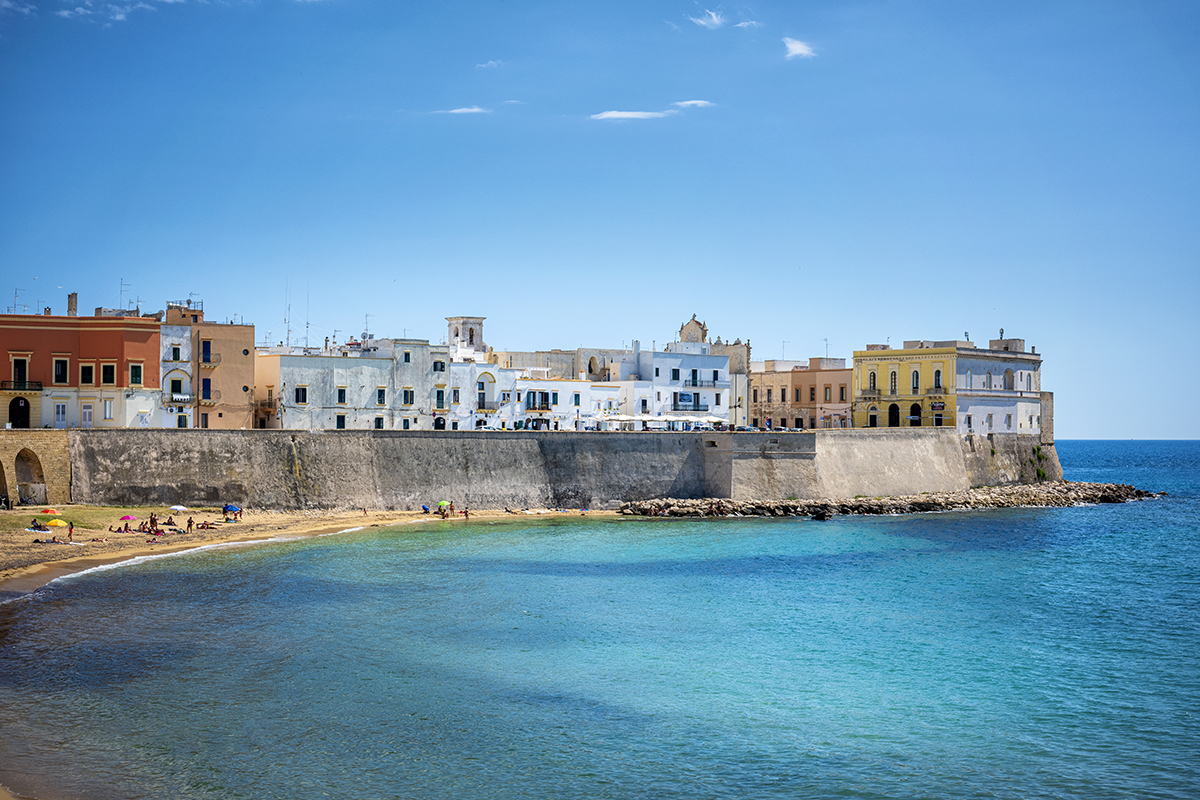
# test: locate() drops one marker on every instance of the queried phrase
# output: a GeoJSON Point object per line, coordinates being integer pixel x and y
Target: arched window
{"type": "Point", "coordinates": [970, 377]}
{"type": "Point", "coordinates": [1009, 380]}
{"type": "Point", "coordinates": [892, 385]}
{"type": "Point", "coordinates": [871, 381]}
{"type": "Point", "coordinates": [916, 383]}
{"type": "Point", "coordinates": [937, 379]}
{"type": "Point", "coordinates": [873, 417]}
{"type": "Point", "coordinates": [1028, 382]}
{"type": "Point", "coordinates": [987, 382]}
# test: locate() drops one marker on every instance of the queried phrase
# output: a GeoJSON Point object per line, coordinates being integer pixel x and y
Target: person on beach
{"type": "Point", "coordinates": [70, 531]}
{"type": "Point", "coordinates": [467, 514]}
{"type": "Point", "coordinates": [451, 506]}
{"type": "Point", "coordinates": [189, 525]}
{"type": "Point", "coordinates": [424, 509]}
{"type": "Point", "coordinates": [170, 523]}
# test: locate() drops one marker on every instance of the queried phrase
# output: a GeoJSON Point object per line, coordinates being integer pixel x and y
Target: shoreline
{"type": "Point", "coordinates": [26, 567]}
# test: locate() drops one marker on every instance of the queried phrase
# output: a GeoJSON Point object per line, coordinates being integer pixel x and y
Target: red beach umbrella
{"type": "Point", "coordinates": [127, 516]}
{"type": "Point", "coordinates": [50, 511]}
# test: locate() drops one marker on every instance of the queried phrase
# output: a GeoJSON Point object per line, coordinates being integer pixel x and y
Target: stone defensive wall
{"type": "Point", "coordinates": [546, 469]}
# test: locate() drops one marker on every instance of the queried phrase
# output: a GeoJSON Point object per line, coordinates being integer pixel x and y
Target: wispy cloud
{"type": "Point", "coordinates": [17, 8]}
{"type": "Point", "coordinates": [710, 19]}
{"type": "Point", "coordinates": [493, 64]}
{"type": "Point", "coordinates": [632, 114]}
{"type": "Point", "coordinates": [748, 24]}
{"type": "Point", "coordinates": [466, 110]}
{"type": "Point", "coordinates": [682, 104]}
{"type": "Point", "coordinates": [797, 49]}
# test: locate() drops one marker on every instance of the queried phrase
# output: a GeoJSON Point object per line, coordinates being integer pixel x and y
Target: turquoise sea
{"type": "Point", "coordinates": [1010, 654]}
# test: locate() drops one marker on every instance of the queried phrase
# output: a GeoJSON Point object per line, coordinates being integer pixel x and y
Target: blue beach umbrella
{"type": "Point", "coordinates": [230, 507]}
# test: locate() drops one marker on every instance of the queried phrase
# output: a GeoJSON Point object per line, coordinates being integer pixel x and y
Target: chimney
{"type": "Point", "coordinates": [73, 304]}
{"type": "Point", "coordinates": [46, 313]}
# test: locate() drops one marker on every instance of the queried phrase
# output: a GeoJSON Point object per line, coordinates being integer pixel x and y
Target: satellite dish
{"type": "Point", "coordinates": [364, 334]}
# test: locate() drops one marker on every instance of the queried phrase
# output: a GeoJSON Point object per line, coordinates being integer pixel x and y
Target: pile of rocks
{"type": "Point", "coordinates": [1049, 494]}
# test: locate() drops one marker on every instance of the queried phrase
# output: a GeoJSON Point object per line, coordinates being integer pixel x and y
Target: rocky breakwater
{"type": "Point", "coordinates": [1049, 494]}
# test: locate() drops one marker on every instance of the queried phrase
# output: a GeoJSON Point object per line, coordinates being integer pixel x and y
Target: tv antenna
{"type": "Point", "coordinates": [121, 296]}
{"type": "Point", "coordinates": [367, 324]}
{"type": "Point", "coordinates": [827, 347]}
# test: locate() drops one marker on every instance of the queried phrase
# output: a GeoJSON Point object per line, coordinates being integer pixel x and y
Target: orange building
{"type": "Point", "coordinates": [77, 371]}
{"type": "Point", "coordinates": [222, 366]}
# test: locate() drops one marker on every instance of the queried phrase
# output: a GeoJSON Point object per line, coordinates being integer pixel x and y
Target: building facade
{"type": "Point", "coordinates": [222, 362]}
{"type": "Point", "coordinates": [801, 395]}
{"type": "Point", "coordinates": [949, 383]}
{"type": "Point", "coordinates": [79, 372]}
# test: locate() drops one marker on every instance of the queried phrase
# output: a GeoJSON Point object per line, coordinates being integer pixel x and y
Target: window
{"type": "Point", "coordinates": [756, 395]}
{"type": "Point", "coordinates": [87, 375]}
{"type": "Point", "coordinates": [828, 393]}
{"type": "Point", "coordinates": [841, 394]}
{"type": "Point", "coordinates": [505, 397]}
{"type": "Point", "coordinates": [1029, 383]}
{"type": "Point", "coordinates": [798, 394]}
{"type": "Point", "coordinates": [989, 421]}
{"type": "Point", "coordinates": [176, 386]}
{"type": "Point", "coordinates": [454, 425]}
{"type": "Point", "coordinates": [441, 398]}
{"type": "Point", "coordinates": [60, 415]}
{"type": "Point", "coordinates": [407, 357]}
{"type": "Point", "coordinates": [916, 381]}
{"type": "Point", "coordinates": [1008, 421]}
{"type": "Point", "coordinates": [341, 395]}
{"type": "Point", "coordinates": [479, 386]}
{"type": "Point", "coordinates": [554, 398]}
{"type": "Point", "coordinates": [175, 354]}
{"type": "Point", "coordinates": [379, 423]}
{"type": "Point", "coordinates": [108, 374]}
{"type": "Point", "coordinates": [645, 405]}
{"type": "Point", "coordinates": [575, 399]}
{"type": "Point", "coordinates": [718, 400]}
{"type": "Point", "coordinates": [206, 351]}
{"type": "Point", "coordinates": [340, 422]}
{"type": "Point", "coordinates": [108, 409]}
{"type": "Point", "coordinates": [204, 420]}
{"type": "Point", "coordinates": [60, 370]}
{"type": "Point", "coordinates": [206, 389]}
{"type": "Point", "coordinates": [969, 377]}
{"type": "Point", "coordinates": [407, 397]}
{"type": "Point", "coordinates": [301, 395]}
{"type": "Point", "coordinates": [892, 384]}
{"type": "Point", "coordinates": [812, 394]}
{"type": "Point", "coordinates": [85, 415]}
{"type": "Point", "coordinates": [716, 375]}
{"type": "Point", "coordinates": [454, 395]}
{"type": "Point", "coordinates": [937, 379]}
{"type": "Point", "coordinates": [656, 372]}
{"type": "Point", "coordinates": [381, 397]}
{"type": "Point", "coordinates": [987, 381]}
{"type": "Point", "coordinates": [181, 421]}
{"type": "Point", "coordinates": [674, 374]}
{"type": "Point", "coordinates": [439, 366]}
{"type": "Point", "coordinates": [871, 382]}
{"type": "Point", "coordinates": [405, 421]}
{"type": "Point", "coordinates": [768, 395]}
{"type": "Point", "coordinates": [969, 422]}
{"type": "Point", "coordinates": [135, 374]}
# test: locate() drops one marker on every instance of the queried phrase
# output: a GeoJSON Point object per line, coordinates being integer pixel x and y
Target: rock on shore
{"type": "Point", "coordinates": [1049, 494]}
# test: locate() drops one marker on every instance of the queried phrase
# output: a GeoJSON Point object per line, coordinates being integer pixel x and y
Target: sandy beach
{"type": "Point", "coordinates": [26, 565]}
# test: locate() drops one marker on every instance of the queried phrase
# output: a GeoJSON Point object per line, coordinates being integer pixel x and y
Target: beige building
{"type": "Point", "coordinates": [222, 367]}
{"type": "Point", "coordinates": [795, 394]}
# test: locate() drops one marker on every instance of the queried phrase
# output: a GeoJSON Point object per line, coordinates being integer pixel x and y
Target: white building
{"type": "Point", "coordinates": [178, 388]}
{"type": "Point", "coordinates": [684, 385]}
{"type": "Point", "coordinates": [999, 390]}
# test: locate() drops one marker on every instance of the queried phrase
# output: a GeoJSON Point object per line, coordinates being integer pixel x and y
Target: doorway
{"type": "Point", "coordinates": [18, 412]}
{"type": "Point", "coordinates": [893, 416]}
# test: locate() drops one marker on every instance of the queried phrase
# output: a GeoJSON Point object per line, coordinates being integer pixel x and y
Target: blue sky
{"type": "Point", "coordinates": [789, 172]}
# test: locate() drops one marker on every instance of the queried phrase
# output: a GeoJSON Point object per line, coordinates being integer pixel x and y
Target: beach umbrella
{"type": "Point", "coordinates": [58, 523]}
{"type": "Point", "coordinates": [444, 503]}
{"type": "Point", "coordinates": [127, 516]}
{"type": "Point", "coordinates": [230, 507]}
{"type": "Point", "coordinates": [178, 508]}
{"type": "Point", "coordinates": [50, 511]}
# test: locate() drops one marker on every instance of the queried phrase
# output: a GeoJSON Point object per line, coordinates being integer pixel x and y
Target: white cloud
{"type": "Point", "coordinates": [748, 24]}
{"type": "Point", "coordinates": [692, 104]}
{"type": "Point", "coordinates": [710, 19]}
{"type": "Point", "coordinates": [17, 8]}
{"type": "Point", "coordinates": [493, 64]}
{"type": "Point", "coordinates": [631, 114]}
{"type": "Point", "coordinates": [797, 49]}
{"type": "Point", "coordinates": [467, 110]}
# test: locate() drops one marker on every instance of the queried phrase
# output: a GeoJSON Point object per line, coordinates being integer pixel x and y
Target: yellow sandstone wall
{"type": "Point", "coordinates": [46, 455]}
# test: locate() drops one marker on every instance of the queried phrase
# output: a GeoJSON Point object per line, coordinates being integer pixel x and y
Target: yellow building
{"type": "Point", "coordinates": [908, 387]}
{"type": "Point", "coordinates": [222, 366]}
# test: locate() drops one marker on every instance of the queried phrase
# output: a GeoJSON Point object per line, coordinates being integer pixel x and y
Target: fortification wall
{"type": "Point", "coordinates": [496, 469]}
{"type": "Point", "coordinates": [34, 464]}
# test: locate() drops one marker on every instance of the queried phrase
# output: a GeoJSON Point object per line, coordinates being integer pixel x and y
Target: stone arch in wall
{"type": "Point", "coordinates": [592, 366]}
{"type": "Point", "coordinates": [439, 423]}
{"type": "Point", "coordinates": [914, 415]}
{"type": "Point", "coordinates": [1010, 381]}
{"type": "Point", "coordinates": [18, 412]}
{"type": "Point", "coordinates": [3, 484]}
{"type": "Point", "coordinates": [31, 482]}
{"type": "Point", "coordinates": [893, 415]}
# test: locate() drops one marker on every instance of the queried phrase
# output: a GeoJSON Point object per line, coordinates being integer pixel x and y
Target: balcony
{"type": "Point", "coordinates": [209, 360]}
{"type": "Point", "coordinates": [268, 406]}
{"type": "Point", "coordinates": [689, 407]}
{"type": "Point", "coordinates": [490, 405]}
{"type": "Point", "coordinates": [538, 407]}
{"type": "Point", "coordinates": [210, 397]}
{"type": "Point", "coordinates": [869, 393]}
{"type": "Point", "coordinates": [707, 384]}
{"type": "Point", "coordinates": [178, 398]}
{"type": "Point", "coordinates": [21, 386]}
{"type": "Point", "coordinates": [937, 390]}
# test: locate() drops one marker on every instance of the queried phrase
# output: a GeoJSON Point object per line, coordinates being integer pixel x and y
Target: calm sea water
{"type": "Point", "coordinates": [1012, 654]}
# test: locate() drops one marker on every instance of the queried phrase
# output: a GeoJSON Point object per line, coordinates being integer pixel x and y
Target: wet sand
{"type": "Point", "coordinates": [25, 565]}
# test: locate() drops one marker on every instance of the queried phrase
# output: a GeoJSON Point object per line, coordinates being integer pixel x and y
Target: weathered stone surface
{"type": "Point", "coordinates": [1048, 494]}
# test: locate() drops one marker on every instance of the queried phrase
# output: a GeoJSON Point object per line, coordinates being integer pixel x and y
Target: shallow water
{"type": "Point", "coordinates": [1018, 653]}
